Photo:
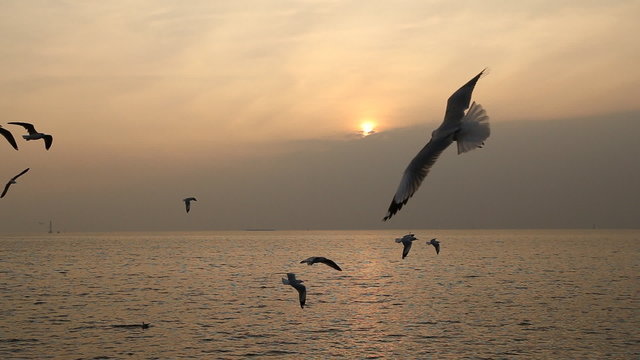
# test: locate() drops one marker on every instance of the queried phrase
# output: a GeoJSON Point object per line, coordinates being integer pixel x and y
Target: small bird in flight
{"type": "Point", "coordinates": [187, 202]}
{"type": "Point", "coordinates": [468, 130]}
{"type": "Point", "coordinates": [34, 135]}
{"type": "Point", "coordinates": [12, 181]}
{"type": "Point", "coordinates": [7, 135]}
{"type": "Point", "coordinates": [406, 240]}
{"type": "Point", "coordinates": [436, 244]}
{"type": "Point", "coordinates": [319, 259]}
{"type": "Point", "coordinates": [297, 284]}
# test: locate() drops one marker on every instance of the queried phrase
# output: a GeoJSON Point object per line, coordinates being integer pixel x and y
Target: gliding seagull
{"type": "Point", "coordinates": [12, 181]}
{"type": "Point", "coordinates": [7, 134]}
{"type": "Point", "coordinates": [319, 259]}
{"type": "Point", "coordinates": [34, 135]}
{"type": "Point", "coordinates": [187, 202]}
{"type": "Point", "coordinates": [297, 284]}
{"type": "Point", "coordinates": [406, 240]}
{"type": "Point", "coordinates": [436, 244]}
{"type": "Point", "coordinates": [468, 130]}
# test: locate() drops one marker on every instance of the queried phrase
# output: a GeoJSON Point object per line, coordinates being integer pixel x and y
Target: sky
{"type": "Point", "coordinates": [254, 108]}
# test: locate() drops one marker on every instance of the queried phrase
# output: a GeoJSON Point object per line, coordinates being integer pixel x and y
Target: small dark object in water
{"type": "Point", "coordinates": [142, 326]}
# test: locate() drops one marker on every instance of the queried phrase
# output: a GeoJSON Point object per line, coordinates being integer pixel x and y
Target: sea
{"type": "Point", "coordinates": [489, 294]}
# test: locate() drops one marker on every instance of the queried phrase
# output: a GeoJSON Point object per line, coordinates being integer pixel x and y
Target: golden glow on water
{"type": "Point", "coordinates": [489, 294]}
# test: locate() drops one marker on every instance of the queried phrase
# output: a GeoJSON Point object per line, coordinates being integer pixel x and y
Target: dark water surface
{"type": "Point", "coordinates": [557, 294]}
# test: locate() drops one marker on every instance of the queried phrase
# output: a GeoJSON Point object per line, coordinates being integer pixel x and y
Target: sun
{"type": "Point", "coordinates": [367, 128]}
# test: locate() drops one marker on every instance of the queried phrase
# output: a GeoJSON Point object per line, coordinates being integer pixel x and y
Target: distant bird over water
{"type": "Point", "coordinates": [12, 181]}
{"type": "Point", "coordinates": [319, 259]}
{"type": "Point", "coordinates": [469, 130]}
{"type": "Point", "coordinates": [436, 244]}
{"type": "Point", "coordinates": [34, 135]}
{"type": "Point", "coordinates": [297, 284]}
{"type": "Point", "coordinates": [407, 241]}
{"type": "Point", "coordinates": [187, 202]}
{"type": "Point", "coordinates": [7, 135]}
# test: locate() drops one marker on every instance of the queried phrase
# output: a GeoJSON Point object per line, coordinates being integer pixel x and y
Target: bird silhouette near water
{"type": "Point", "coordinates": [297, 284]}
{"type": "Point", "coordinates": [436, 244]}
{"type": "Point", "coordinates": [319, 259]}
{"type": "Point", "coordinates": [469, 130]}
{"type": "Point", "coordinates": [406, 241]}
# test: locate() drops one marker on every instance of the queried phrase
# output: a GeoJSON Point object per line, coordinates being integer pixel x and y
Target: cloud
{"type": "Point", "coordinates": [249, 70]}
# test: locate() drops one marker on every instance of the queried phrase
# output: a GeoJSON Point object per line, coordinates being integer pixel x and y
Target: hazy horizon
{"type": "Point", "coordinates": [347, 184]}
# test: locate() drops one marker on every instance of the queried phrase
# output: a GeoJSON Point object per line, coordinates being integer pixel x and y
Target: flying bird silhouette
{"type": "Point", "coordinates": [187, 202]}
{"type": "Point", "coordinates": [319, 259]}
{"type": "Point", "coordinates": [7, 135]}
{"type": "Point", "coordinates": [436, 244]}
{"type": "Point", "coordinates": [407, 241]}
{"type": "Point", "coordinates": [12, 181]}
{"type": "Point", "coordinates": [34, 135]}
{"type": "Point", "coordinates": [297, 284]}
{"type": "Point", "coordinates": [468, 130]}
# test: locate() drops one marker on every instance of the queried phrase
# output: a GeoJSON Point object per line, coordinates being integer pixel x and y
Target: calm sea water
{"type": "Point", "coordinates": [489, 294]}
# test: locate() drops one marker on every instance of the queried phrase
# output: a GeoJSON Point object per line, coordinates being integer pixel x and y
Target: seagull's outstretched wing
{"type": "Point", "coordinates": [22, 173]}
{"type": "Point", "coordinates": [415, 173]}
{"type": "Point", "coordinates": [48, 140]}
{"type": "Point", "coordinates": [407, 247]}
{"type": "Point", "coordinates": [13, 179]}
{"type": "Point", "coordinates": [297, 284]}
{"type": "Point", "coordinates": [459, 101]}
{"type": "Point", "coordinates": [7, 134]}
{"type": "Point", "coordinates": [436, 244]}
{"type": "Point", "coordinates": [30, 128]}
{"type": "Point", "coordinates": [6, 188]}
{"type": "Point", "coordinates": [302, 294]}
{"type": "Point", "coordinates": [330, 262]}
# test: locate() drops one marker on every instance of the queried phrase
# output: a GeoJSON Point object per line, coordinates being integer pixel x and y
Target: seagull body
{"type": "Point", "coordinates": [12, 181]}
{"type": "Point", "coordinates": [406, 241]}
{"type": "Point", "coordinates": [7, 135]}
{"type": "Point", "coordinates": [187, 202]}
{"type": "Point", "coordinates": [436, 244]}
{"type": "Point", "coordinates": [469, 130]}
{"type": "Point", "coordinates": [297, 284]}
{"type": "Point", "coordinates": [34, 135]}
{"type": "Point", "coordinates": [319, 259]}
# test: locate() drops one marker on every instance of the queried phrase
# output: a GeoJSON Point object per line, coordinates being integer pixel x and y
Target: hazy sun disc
{"type": "Point", "coordinates": [367, 128]}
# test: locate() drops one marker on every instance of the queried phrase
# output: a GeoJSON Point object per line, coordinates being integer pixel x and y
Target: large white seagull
{"type": "Point", "coordinates": [469, 130]}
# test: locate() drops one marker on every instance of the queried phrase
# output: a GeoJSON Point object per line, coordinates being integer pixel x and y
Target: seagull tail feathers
{"type": "Point", "coordinates": [474, 129]}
